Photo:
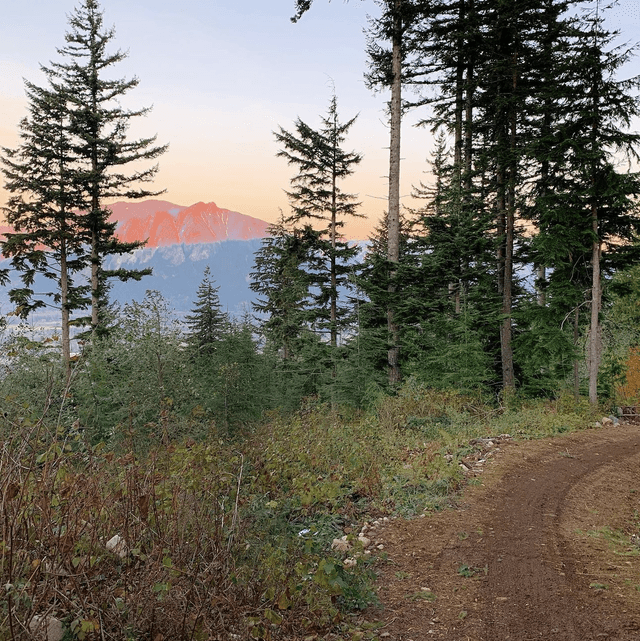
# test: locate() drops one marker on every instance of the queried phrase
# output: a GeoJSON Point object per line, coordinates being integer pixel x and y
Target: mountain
{"type": "Point", "coordinates": [181, 242]}
{"type": "Point", "coordinates": [163, 223]}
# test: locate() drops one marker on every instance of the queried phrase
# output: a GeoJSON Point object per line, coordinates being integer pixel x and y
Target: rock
{"type": "Point", "coordinates": [46, 628]}
{"type": "Point", "coordinates": [463, 467]}
{"type": "Point", "coordinates": [365, 541]}
{"type": "Point", "coordinates": [349, 562]}
{"type": "Point", "coordinates": [380, 547]}
{"type": "Point", "coordinates": [606, 421]}
{"type": "Point", "coordinates": [340, 545]}
{"type": "Point", "coordinates": [597, 424]}
{"type": "Point", "coordinates": [118, 546]}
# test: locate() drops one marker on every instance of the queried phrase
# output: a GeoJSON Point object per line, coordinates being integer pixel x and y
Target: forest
{"type": "Point", "coordinates": [167, 478]}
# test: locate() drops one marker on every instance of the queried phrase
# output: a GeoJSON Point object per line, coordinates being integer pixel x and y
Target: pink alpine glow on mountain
{"type": "Point", "coordinates": [164, 223]}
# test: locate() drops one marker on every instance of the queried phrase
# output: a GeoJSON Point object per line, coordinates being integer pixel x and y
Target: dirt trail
{"type": "Point", "coordinates": [541, 549]}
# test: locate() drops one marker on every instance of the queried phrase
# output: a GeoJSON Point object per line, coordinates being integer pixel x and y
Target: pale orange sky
{"type": "Point", "coordinates": [220, 86]}
{"type": "Point", "coordinates": [222, 76]}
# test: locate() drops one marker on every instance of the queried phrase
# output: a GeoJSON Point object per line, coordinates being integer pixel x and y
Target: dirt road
{"type": "Point", "coordinates": [542, 548]}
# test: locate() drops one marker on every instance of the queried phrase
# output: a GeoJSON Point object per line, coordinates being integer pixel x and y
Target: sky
{"type": "Point", "coordinates": [222, 76]}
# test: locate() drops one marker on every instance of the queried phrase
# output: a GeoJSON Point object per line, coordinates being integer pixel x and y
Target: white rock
{"type": "Point", "coordinates": [380, 547]}
{"type": "Point", "coordinates": [349, 562]}
{"type": "Point", "coordinates": [117, 545]}
{"type": "Point", "coordinates": [340, 545]}
{"type": "Point", "coordinates": [606, 420]}
{"type": "Point", "coordinates": [46, 628]}
{"type": "Point", "coordinates": [365, 541]}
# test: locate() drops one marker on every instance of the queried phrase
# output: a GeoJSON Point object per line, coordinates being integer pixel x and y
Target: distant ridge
{"type": "Point", "coordinates": [182, 241]}
{"type": "Point", "coordinates": [164, 223]}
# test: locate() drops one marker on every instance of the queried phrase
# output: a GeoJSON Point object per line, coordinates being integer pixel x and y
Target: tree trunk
{"type": "Point", "coordinates": [95, 279]}
{"type": "Point", "coordinates": [541, 274]}
{"type": "Point", "coordinates": [596, 301]}
{"type": "Point", "coordinates": [393, 215]}
{"type": "Point", "coordinates": [576, 362]}
{"type": "Point", "coordinates": [334, 279]}
{"type": "Point", "coordinates": [64, 301]}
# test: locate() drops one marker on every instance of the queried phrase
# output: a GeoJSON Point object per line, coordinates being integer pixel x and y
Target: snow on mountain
{"type": "Point", "coordinates": [181, 242]}
{"type": "Point", "coordinates": [178, 270]}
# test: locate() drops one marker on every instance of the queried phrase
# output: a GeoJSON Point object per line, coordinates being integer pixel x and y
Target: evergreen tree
{"type": "Point", "coordinates": [599, 129]}
{"type": "Point", "coordinates": [48, 238]}
{"type": "Point", "coordinates": [388, 49]}
{"type": "Point", "coordinates": [316, 195]}
{"type": "Point", "coordinates": [99, 126]}
{"type": "Point", "coordinates": [398, 17]}
{"type": "Point", "coordinates": [448, 301]}
{"type": "Point", "coordinates": [206, 322]}
{"type": "Point", "coordinates": [282, 279]}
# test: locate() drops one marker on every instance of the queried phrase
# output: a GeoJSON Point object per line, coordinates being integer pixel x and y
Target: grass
{"type": "Point", "coordinates": [231, 537]}
{"type": "Point", "coordinates": [469, 571]}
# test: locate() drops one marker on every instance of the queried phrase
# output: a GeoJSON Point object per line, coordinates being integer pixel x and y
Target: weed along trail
{"type": "Point", "coordinates": [542, 545]}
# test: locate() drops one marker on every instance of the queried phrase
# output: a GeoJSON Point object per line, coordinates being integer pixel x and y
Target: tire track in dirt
{"type": "Point", "coordinates": [505, 566]}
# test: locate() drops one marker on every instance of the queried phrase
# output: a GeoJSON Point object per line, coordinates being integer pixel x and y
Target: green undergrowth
{"type": "Point", "coordinates": [217, 537]}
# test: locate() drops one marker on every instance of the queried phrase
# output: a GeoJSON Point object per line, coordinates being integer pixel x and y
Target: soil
{"type": "Point", "coordinates": [542, 545]}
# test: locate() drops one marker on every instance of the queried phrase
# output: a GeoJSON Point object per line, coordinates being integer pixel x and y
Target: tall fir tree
{"type": "Point", "coordinates": [99, 124]}
{"type": "Point", "coordinates": [48, 239]}
{"type": "Point", "coordinates": [449, 300]}
{"type": "Point", "coordinates": [316, 195]}
{"type": "Point", "coordinates": [388, 49]}
{"type": "Point", "coordinates": [599, 128]}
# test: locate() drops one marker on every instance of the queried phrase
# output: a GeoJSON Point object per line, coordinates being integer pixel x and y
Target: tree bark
{"type": "Point", "coordinates": [334, 278]}
{"type": "Point", "coordinates": [596, 302]}
{"type": "Point", "coordinates": [64, 302]}
{"type": "Point", "coordinates": [576, 362]}
{"type": "Point", "coordinates": [393, 215]}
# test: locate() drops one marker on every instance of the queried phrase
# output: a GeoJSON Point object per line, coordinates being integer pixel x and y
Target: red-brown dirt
{"type": "Point", "coordinates": [542, 547]}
